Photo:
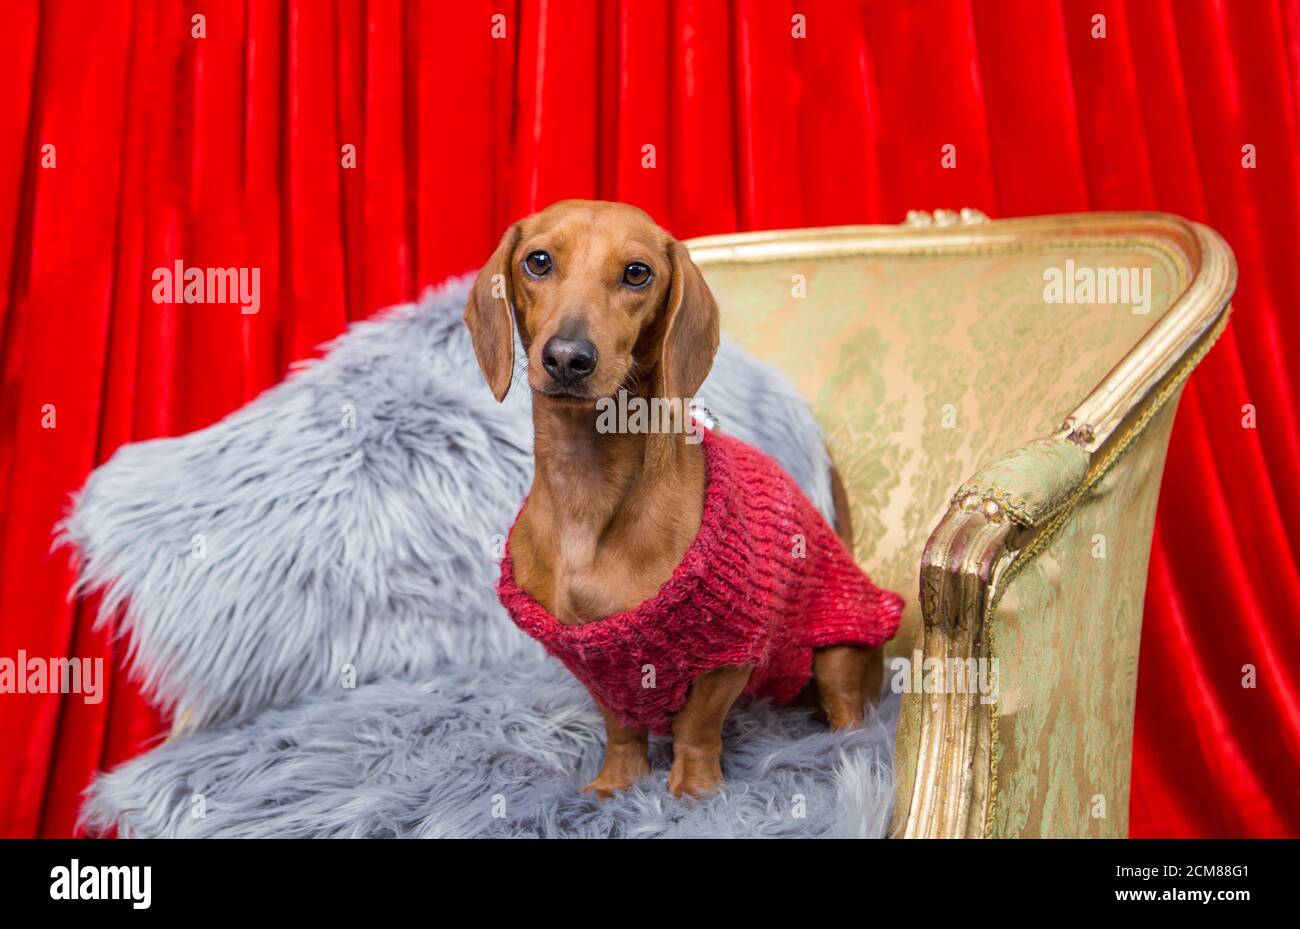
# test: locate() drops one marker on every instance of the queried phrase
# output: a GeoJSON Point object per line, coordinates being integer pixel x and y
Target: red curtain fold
{"type": "Point", "coordinates": [356, 151]}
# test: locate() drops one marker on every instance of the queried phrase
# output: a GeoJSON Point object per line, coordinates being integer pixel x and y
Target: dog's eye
{"type": "Point", "coordinates": [538, 264]}
{"type": "Point", "coordinates": [636, 274]}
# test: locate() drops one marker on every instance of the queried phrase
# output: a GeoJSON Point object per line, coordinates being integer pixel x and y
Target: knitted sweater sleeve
{"type": "Point", "coordinates": [844, 606]}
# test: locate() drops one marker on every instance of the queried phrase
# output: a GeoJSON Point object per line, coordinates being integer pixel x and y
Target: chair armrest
{"type": "Point", "coordinates": [1021, 490]}
{"type": "Point", "coordinates": [1038, 568]}
{"type": "Point", "coordinates": [1028, 484]}
{"type": "Point", "coordinates": [972, 543]}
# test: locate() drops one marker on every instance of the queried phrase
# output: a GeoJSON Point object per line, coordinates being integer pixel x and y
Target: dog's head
{"type": "Point", "coordinates": [602, 298]}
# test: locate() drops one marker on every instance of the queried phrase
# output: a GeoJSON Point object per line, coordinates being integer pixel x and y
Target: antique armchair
{"type": "Point", "coordinates": [1001, 434]}
{"type": "Point", "coordinates": [970, 398]}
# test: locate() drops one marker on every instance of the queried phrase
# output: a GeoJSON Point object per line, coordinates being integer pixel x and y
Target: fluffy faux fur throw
{"type": "Point", "coordinates": [311, 581]}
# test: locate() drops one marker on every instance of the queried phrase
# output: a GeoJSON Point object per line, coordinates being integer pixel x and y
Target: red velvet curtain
{"type": "Point", "coordinates": [127, 141]}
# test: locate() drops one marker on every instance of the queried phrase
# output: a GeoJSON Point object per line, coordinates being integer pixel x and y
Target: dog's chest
{"type": "Point", "coordinates": [588, 590]}
{"type": "Point", "coordinates": [580, 575]}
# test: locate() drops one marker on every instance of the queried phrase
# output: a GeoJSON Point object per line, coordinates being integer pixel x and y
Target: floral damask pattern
{"type": "Point", "coordinates": [924, 367]}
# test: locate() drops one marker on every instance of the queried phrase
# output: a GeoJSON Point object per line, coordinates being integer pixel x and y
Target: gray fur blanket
{"type": "Point", "coordinates": [310, 582]}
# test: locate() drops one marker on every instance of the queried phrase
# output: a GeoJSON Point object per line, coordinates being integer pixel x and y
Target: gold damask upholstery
{"type": "Point", "coordinates": [1001, 442]}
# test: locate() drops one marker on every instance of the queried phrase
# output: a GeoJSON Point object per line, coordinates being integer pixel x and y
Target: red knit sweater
{"type": "Point", "coordinates": [747, 592]}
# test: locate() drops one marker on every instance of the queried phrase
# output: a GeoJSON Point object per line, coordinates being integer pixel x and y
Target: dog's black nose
{"type": "Point", "coordinates": [568, 360]}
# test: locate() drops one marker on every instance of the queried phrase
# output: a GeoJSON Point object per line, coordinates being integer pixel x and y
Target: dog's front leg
{"type": "Point", "coordinates": [627, 757]}
{"type": "Point", "coordinates": [697, 732]}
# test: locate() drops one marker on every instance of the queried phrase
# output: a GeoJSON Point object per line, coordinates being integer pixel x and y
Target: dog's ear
{"type": "Point", "coordinates": [490, 316]}
{"type": "Point", "coordinates": [691, 333]}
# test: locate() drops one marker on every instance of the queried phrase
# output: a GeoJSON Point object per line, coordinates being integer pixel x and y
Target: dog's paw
{"type": "Point", "coordinates": [696, 773]}
{"type": "Point", "coordinates": [618, 773]}
{"type": "Point", "coordinates": [605, 787]}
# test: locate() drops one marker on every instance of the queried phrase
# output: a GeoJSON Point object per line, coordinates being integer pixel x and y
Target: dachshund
{"type": "Point", "coordinates": [604, 300]}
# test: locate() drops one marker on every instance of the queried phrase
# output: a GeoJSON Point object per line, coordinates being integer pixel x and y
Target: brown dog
{"type": "Point", "coordinates": [603, 300]}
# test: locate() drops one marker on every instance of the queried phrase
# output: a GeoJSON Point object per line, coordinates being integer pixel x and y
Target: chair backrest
{"type": "Point", "coordinates": [926, 350]}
